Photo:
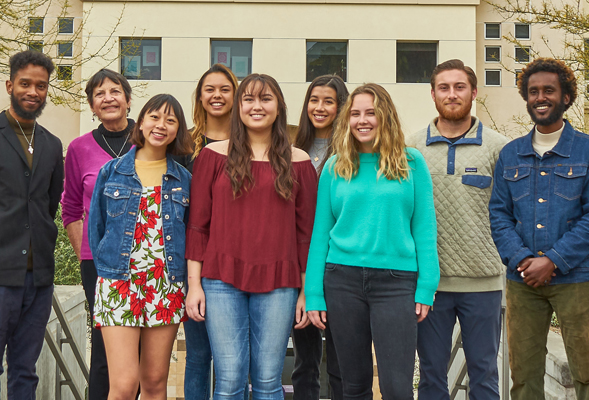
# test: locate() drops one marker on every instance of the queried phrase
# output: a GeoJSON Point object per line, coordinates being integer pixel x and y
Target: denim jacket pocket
{"type": "Point", "coordinates": [181, 202]}
{"type": "Point", "coordinates": [518, 181]}
{"type": "Point", "coordinates": [479, 181]}
{"type": "Point", "coordinates": [117, 198]}
{"type": "Point", "coordinates": [569, 181]}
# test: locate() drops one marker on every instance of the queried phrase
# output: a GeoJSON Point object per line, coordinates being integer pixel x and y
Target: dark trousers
{"type": "Point", "coordinates": [308, 351]}
{"type": "Point", "coordinates": [98, 384]}
{"type": "Point", "coordinates": [24, 312]}
{"type": "Point", "coordinates": [479, 315]}
{"type": "Point", "coordinates": [197, 373]}
{"type": "Point", "coordinates": [366, 305]}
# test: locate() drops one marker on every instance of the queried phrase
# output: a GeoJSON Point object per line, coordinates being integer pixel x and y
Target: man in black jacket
{"type": "Point", "coordinates": [31, 181]}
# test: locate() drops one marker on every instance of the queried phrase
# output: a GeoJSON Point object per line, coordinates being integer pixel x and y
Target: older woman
{"type": "Point", "coordinates": [109, 97]}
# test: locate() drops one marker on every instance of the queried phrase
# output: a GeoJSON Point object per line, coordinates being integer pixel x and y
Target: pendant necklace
{"type": "Point", "coordinates": [30, 149]}
{"type": "Point", "coordinates": [319, 150]}
{"type": "Point", "coordinates": [117, 155]}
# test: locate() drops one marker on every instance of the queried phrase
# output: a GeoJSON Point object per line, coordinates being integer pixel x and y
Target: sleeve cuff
{"type": "Point", "coordinates": [518, 257]}
{"type": "Point", "coordinates": [315, 303]}
{"type": "Point", "coordinates": [558, 261]}
{"type": "Point", "coordinates": [196, 244]}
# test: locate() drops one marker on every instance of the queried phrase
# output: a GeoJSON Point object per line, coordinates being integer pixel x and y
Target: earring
{"type": "Point", "coordinates": [93, 117]}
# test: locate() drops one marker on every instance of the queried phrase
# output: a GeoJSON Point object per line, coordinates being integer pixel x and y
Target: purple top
{"type": "Point", "coordinates": [83, 161]}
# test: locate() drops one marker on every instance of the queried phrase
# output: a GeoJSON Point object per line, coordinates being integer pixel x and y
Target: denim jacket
{"type": "Point", "coordinates": [540, 205]}
{"type": "Point", "coordinates": [113, 214]}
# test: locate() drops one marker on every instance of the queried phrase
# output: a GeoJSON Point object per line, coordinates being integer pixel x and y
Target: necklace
{"type": "Point", "coordinates": [30, 149]}
{"type": "Point", "coordinates": [320, 150]}
{"type": "Point", "coordinates": [117, 155]}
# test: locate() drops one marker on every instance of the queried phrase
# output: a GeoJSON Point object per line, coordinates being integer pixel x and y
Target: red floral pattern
{"type": "Point", "coordinates": [148, 298]}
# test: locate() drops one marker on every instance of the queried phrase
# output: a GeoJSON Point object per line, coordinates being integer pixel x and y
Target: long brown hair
{"type": "Point", "coordinates": [239, 152]}
{"type": "Point", "coordinates": [199, 115]}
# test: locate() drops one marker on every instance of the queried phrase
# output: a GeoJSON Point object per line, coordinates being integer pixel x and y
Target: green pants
{"type": "Point", "coordinates": [529, 312]}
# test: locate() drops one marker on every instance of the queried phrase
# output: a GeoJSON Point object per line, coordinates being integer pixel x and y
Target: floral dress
{"type": "Point", "coordinates": [148, 299]}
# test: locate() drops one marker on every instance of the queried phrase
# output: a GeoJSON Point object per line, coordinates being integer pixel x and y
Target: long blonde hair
{"type": "Point", "coordinates": [389, 140]}
{"type": "Point", "coordinates": [199, 115]}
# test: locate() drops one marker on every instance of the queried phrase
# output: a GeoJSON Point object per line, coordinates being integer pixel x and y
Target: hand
{"type": "Point", "coordinates": [195, 303]}
{"type": "Point", "coordinates": [421, 310]}
{"type": "Point", "coordinates": [300, 315]}
{"type": "Point", "coordinates": [318, 318]}
{"type": "Point", "coordinates": [537, 271]}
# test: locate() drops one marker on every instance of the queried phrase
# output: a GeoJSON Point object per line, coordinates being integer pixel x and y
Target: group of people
{"type": "Point", "coordinates": [248, 235]}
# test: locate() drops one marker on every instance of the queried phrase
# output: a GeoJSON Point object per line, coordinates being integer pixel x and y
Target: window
{"type": "Point", "coordinates": [522, 54]}
{"type": "Point", "coordinates": [65, 49]}
{"type": "Point", "coordinates": [492, 53]}
{"type": "Point", "coordinates": [492, 77]}
{"type": "Point", "coordinates": [141, 59]}
{"type": "Point", "coordinates": [522, 31]}
{"type": "Point", "coordinates": [35, 25]}
{"type": "Point", "coordinates": [517, 72]}
{"type": "Point", "coordinates": [416, 62]}
{"type": "Point", "coordinates": [36, 45]}
{"type": "Point", "coordinates": [327, 58]}
{"type": "Point", "coordinates": [66, 25]}
{"type": "Point", "coordinates": [492, 31]}
{"type": "Point", "coordinates": [64, 72]}
{"type": "Point", "coordinates": [234, 54]}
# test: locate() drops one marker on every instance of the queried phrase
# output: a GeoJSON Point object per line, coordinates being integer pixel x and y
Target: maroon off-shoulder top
{"type": "Point", "coordinates": [258, 241]}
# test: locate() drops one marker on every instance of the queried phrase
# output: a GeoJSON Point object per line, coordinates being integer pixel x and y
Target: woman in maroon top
{"type": "Point", "coordinates": [253, 201]}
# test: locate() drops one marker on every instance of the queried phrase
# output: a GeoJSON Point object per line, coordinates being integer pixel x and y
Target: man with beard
{"type": "Point", "coordinates": [461, 155]}
{"type": "Point", "coordinates": [539, 215]}
{"type": "Point", "coordinates": [31, 181]}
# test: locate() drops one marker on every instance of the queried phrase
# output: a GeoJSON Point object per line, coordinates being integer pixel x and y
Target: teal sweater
{"type": "Point", "coordinates": [375, 223]}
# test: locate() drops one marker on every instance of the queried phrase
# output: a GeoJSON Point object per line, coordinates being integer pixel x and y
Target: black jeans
{"type": "Point", "coordinates": [308, 351]}
{"type": "Point", "coordinates": [98, 384]}
{"type": "Point", "coordinates": [366, 305]}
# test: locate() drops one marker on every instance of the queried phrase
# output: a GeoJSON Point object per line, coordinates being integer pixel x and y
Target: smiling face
{"type": "Point", "coordinates": [453, 95]}
{"type": "Point", "coordinates": [28, 92]}
{"type": "Point", "coordinates": [110, 105]}
{"type": "Point", "coordinates": [546, 103]}
{"type": "Point", "coordinates": [322, 108]}
{"type": "Point", "coordinates": [258, 109]}
{"type": "Point", "coordinates": [216, 95]}
{"type": "Point", "coordinates": [363, 121]}
{"type": "Point", "coordinates": [159, 128]}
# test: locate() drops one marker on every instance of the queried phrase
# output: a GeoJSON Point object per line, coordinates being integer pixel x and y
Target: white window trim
{"type": "Point", "coordinates": [516, 73]}
{"type": "Point", "coordinates": [72, 49]}
{"type": "Point", "coordinates": [492, 23]}
{"type": "Point", "coordinates": [64, 65]}
{"type": "Point", "coordinates": [527, 49]}
{"type": "Point", "coordinates": [529, 31]}
{"type": "Point", "coordinates": [42, 28]}
{"type": "Point", "coordinates": [493, 61]}
{"type": "Point", "coordinates": [493, 70]}
{"type": "Point", "coordinates": [73, 26]}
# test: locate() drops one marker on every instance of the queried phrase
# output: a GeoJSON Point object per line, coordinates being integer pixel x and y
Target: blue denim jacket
{"type": "Point", "coordinates": [113, 214]}
{"type": "Point", "coordinates": [540, 205]}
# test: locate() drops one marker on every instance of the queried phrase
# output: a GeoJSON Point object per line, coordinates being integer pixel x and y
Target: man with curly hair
{"type": "Point", "coordinates": [539, 214]}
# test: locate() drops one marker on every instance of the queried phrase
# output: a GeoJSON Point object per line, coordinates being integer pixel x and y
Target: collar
{"type": "Point", "coordinates": [563, 148]}
{"type": "Point", "coordinates": [473, 136]}
{"type": "Point", "coordinates": [126, 165]}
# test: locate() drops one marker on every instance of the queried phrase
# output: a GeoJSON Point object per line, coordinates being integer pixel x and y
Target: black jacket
{"type": "Point", "coordinates": [28, 203]}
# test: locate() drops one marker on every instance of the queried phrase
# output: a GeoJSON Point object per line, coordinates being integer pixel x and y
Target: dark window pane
{"type": "Point", "coordinates": [492, 53]}
{"type": "Point", "coordinates": [517, 72]}
{"type": "Point", "coordinates": [35, 25]}
{"type": "Point", "coordinates": [522, 31]}
{"type": "Point", "coordinates": [234, 54]}
{"type": "Point", "coordinates": [522, 54]}
{"type": "Point", "coordinates": [36, 45]}
{"type": "Point", "coordinates": [327, 58]}
{"type": "Point", "coordinates": [141, 59]}
{"type": "Point", "coordinates": [493, 78]}
{"type": "Point", "coordinates": [416, 61]}
{"type": "Point", "coordinates": [65, 49]}
{"type": "Point", "coordinates": [64, 72]}
{"type": "Point", "coordinates": [492, 31]}
{"type": "Point", "coordinates": [66, 25]}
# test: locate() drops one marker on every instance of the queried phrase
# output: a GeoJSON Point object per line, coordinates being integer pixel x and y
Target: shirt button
{"type": "Point", "coordinates": [541, 200]}
{"type": "Point", "coordinates": [27, 226]}
{"type": "Point", "coordinates": [116, 194]}
{"type": "Point", "coordinates": [540, 253]}
{"type": "Point", "coordinates": [166, 196]}
{"type": "Point", "coordinates": [26, 173]}
{"type": "Point", "coordinates": [24, 252]}
{"type": "Point", "coordinates": [543, 173]}
{"type": "Point", "coordinates": [165, 178]}
{"type": "Point", "coordinates": [167, 216]}
{"type": "Point", "coordinates": [170, 258]}
{"type": "Point", "coordinates": [168, 237]}
{"type": "Point", "coordinates": [173, 277]}
{"type": "Point", "coordinates": [539, 226]}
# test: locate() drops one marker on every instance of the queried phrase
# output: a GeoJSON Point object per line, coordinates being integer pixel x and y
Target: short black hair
{"type": "Point", "coordinates": [24, 58]}
{"type": "Point", "coordinates": [566, 77]}
{"type": "Point", "coordinates": [98, 78]}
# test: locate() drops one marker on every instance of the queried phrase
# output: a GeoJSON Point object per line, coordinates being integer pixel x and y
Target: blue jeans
{"type": "Point", "coordinates": [248, 334]}
{"type": "Point", "coordinates": [480, 321]}
{"type": "Point", "coordinates": [197, 375]}
{"type": "Point", "coordinates": [24, 312]}
{"type": "Point", "coordinates": [366, 305]}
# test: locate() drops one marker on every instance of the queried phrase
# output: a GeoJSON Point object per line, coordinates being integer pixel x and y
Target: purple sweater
{"type": "Point", "coordinates": [83, 161]}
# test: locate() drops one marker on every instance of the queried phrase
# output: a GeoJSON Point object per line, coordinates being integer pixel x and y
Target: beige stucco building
{"type": "Point", "coordinates": [167, 45]}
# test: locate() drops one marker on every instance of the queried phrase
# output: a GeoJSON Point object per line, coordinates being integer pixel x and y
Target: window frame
{"type": "Point", "coordinates": [141, 44]}
{"type": "Point", "coordinates": [516, 73]}
{"type": "Point", "coordinates": [437, 56]}
{"type": "Point", "coordinates": [59, 20]}
{"type": "Point", "coordinates": [528, 52]}
{"type": "Point", "coordinates": [347, 57]}
{"type": "Point", "coordinates": [522, 24]}
{"type": "Point", "coordinates": [492, 38]}
{"type": "Point", "coordinates": [58, 73]}
{"type": "Point", "coordinates": [36, 42]}
{"type": "Point", "coordinates": [238, 74]}
{"type": "Point", "coordinates": [64, 42]}
{"type": "Point", "coordinates": [500, 77]}
{"type": "Point", "coordinates": [42, 25]}
{"type": "Point", "coordinates": [493, 60]}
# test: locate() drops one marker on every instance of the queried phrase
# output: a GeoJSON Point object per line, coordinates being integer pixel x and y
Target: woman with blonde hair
{"type": "Point", "coordinates": [373, 265]}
